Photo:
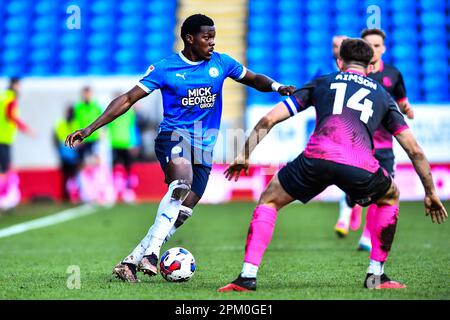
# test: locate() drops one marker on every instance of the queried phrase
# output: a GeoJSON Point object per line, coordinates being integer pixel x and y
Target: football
{"type": "Point", "coordinates": [177, 265]}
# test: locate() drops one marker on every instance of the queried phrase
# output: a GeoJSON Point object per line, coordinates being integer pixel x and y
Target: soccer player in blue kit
{"type": "Point", "coordinates": [191, 85]}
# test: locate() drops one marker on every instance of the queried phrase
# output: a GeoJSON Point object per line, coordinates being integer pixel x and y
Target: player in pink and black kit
{"type": "Point", "coordinates": [349, 107]}
{"type": "Point", "coordinates": [392, 81]}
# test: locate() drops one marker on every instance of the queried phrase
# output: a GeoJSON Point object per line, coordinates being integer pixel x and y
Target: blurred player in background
{"type": "Point", "coordinates": [9, 124]}
{"type": "Point", "coordinates": [392, 81]}
{"type": "Point", "coordinates": [332, 66]}
{"type": "Point", "coordinates": [191, 85]}
{"type": "Point", "coordinates": [124, 142]}
{"type": "Point", "coordinates": [86, 110]}
{"type": "Point", "coordinates": [69, 159]}
{"type": "Point", "coordinates": [349, 108]}
{"type": "Point", "coordinates": [94, 178]}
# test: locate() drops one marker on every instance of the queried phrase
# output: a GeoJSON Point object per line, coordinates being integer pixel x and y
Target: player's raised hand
{"type": "Point", "coordinates": [234, 169]}
{"type": "Point", "coordinates": [407, 109]}
{"type": "Point", "coordinates": [410, 113]}
{"type": "Point", "coordinates": [76, 138]}
{"type": "Point", "coordinates": [286, 90]}
{"type": "Point", "coordinates": [435, 208]}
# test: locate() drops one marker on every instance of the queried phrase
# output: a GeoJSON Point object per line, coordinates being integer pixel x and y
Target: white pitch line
{"type": "Point", "coordinates": [56, 218]}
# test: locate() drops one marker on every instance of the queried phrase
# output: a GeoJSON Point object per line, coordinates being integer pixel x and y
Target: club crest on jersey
{"type": "Point", "coordinates": [176, 150]}
{"type": "Point", "coordinates": [213, 72]}
{"type": "Point", "coordinates": [150, 69]}
{"type": "Point", "coordinates": [387, 82]}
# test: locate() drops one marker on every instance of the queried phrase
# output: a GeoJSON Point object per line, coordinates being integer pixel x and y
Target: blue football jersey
{"type": "Point", "coordinates": [192, 94]}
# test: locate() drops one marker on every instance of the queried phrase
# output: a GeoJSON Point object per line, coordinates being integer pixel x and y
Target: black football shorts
{"type": "Point", "coordinates": [304, 178]}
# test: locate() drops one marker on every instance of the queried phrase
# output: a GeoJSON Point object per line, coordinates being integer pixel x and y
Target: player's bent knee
{"type": "Point", "coordinates": [274, 195]}
{"type": "Point", "coordinates": [179, 189]}
{"type": "Point", "coordinates": [391, 197]}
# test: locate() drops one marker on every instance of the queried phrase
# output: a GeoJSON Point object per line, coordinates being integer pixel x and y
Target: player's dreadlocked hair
{"type": "Point", "coordinates": [356, 51]}
{"type": "Point", "coordinates": [378, 32]}
{"type": "Point", "coordinates": [193, 23]}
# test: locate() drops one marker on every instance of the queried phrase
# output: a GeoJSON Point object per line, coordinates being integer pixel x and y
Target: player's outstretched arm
{"type": "Point", "coordinates": [263, 83]}
{"type": "Point", "coordinates": [278, 114]}
{"type": "Point", "coordinates": [117, 107]}
{"type": "Point", "coordinates": [433, 205]}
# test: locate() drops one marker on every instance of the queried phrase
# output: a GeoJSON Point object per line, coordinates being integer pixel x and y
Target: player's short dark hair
{"type": "Point", "coordinates": [193, 23]}
{"type": "Point", "coordinates": [378, 32]}
{"type": "Point", "coordinates": [14, 80]}
{"type": "Point", "coordinates": [357, 51]}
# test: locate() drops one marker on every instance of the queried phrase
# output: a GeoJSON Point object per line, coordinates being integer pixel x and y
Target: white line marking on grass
{"type": "Point", "coordinates": [56, 218]}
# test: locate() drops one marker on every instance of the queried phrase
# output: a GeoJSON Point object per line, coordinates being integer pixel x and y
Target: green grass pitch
{"type": "Point", "coordinates": [305, 259]}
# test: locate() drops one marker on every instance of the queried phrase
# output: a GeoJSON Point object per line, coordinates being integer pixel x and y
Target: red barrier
{"type": "Point", "coordinates": [47, 183]}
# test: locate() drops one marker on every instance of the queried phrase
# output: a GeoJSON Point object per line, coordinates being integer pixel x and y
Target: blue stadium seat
{"type": "Point", "coordinates": [432, 6]}
{"type": "Point", "coordinates": [102, 23]}
{"type": "Point", "coordinates": [10, 69]}
{"type": "Point", "coordinates": [260, 7]}
{"type": "Point", "coordinates": [101, 7]}
{"type": "Point", "coordinates": [258, 24]}
{"type": "Point", "coordinates": [41, 55]}
{"type": "Point", "coordinates": [342, 20]}
{"type": "Point", "coordinates": [130, 8]}
{"type": "Point", "coordinates": [435, 83]}
{"type": "Point", "coordinates": [350, 31]}
{"type": "Point", "coordinates": [158, 24]}
{"type": "Point", "coordinates": [15, 39]}
{"type": "Point", "coordinates": [407, 52]}
{"type": "Point", "coordinates": [318, 53]}
{"type": "Point", "coordinates": [70, 55]}
{"type": "Point", "coordinates": [151, 56]}
{"type": "Point", "coordinates": [434, 52]}
{"type": "Point", "coordinates": [13, 56]}
{"type": "Point", "coordinates": [97, 56]}
{"type": "Point", "coordinates": [289, 7]}
{"type": "Point", "coordinates": [41, 69]}
{"type": "Point", "coordinates": [17, 23]}
{"type": "Point", "coordinates": [73, 69]}
{"type": "Point", "coordinates": [43, 39]}
{"type": "Point", "coordinates": [346, 6]}
{"type": "Point", "coordinates": [158, 40]}
{"type": "Point", "coordinates": [318, 6]}
{"type": "Point", "coordinates": [380, 3]}
{"type": "Point", "coordinates": [125, 56]}
{"type": "Point", "coordinates": [17, 7]}
{"type": "Point", "coordinates": [290, 38]}
{"type": "Point", "coordinates": [46, 7]}
{"type": "Point", "coordinates": [401, 6]}
{"type": "Point", "coordinates": [319, 37]}
{"type": "Point", "coordinates": [433, 19]}
{"type": "Point", "coordinates": [129, 40]}
{"type": "Point", "coordinates": [289, 54]}
{"type": "Point", "coordinates": [131, 23]}
{"type": "Point", "coordinates": [403, 35]}
{"type": "Point", "coordinates": [71, 39]}
{"type": "Point", "coordinates": [100, 40]}
{"type": "Point", "coordinates": [44, 24]}
{"type": "Point", "coordinates": [318, 21]}
{"type": "Point", "coordinates": [287, 22]}
{"type": "Point", "coordinates": [96, 68]}
{"type": "Point", "coordinates": [404, 19]}
{"type": "Point", "coordinates": [435, 67]}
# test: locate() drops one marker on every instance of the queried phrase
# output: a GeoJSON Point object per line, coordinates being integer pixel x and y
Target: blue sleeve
{"type": "Point", "coordinates": [153, 78]}
{"type": "Point", "coordinates": [232, 68]}
{"type": "Point", "coordinates": [302, 98]}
